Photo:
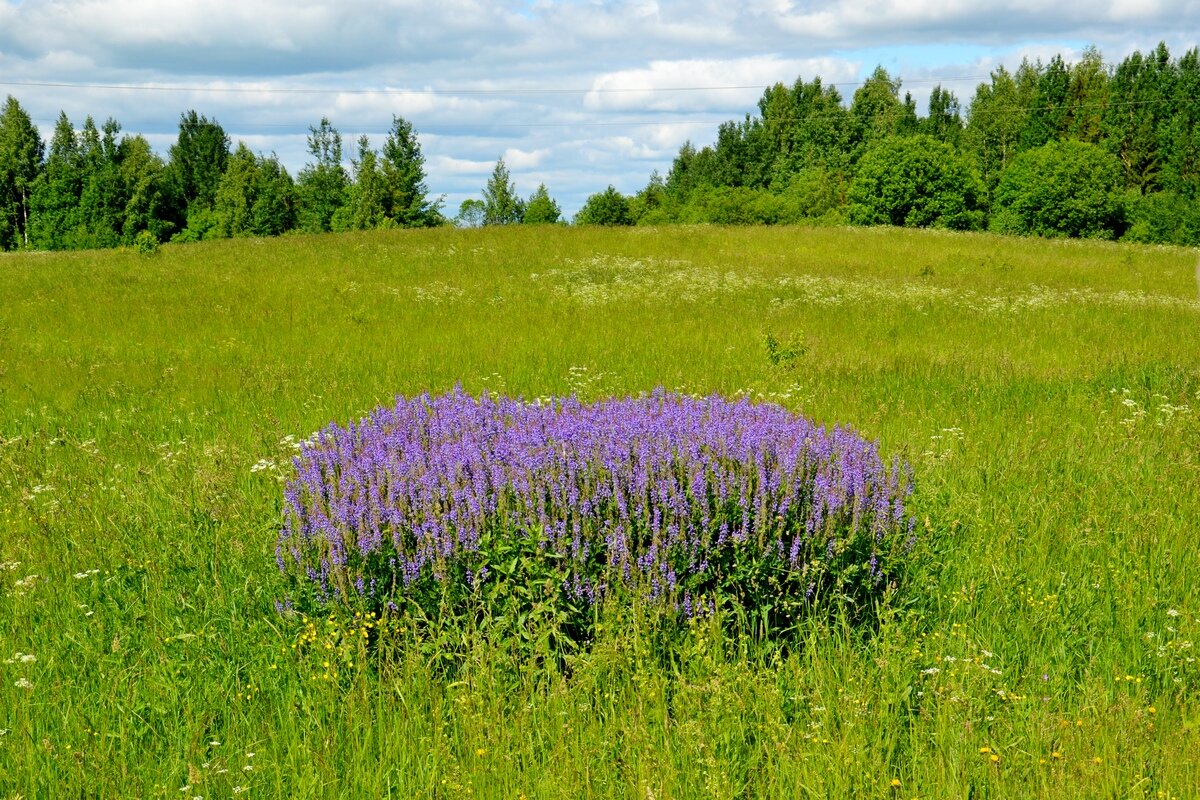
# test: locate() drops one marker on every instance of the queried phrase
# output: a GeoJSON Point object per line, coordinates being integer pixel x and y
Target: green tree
{"type": "Point", "coordinates": [821, 137]}
{"type": "Point", "coordinates": [916, 181]}
{"type": "Point", "coordinates": [21, 152]}
{"type": "Point", "coordinates": [944, 122]}
{"type": "Point", "coordinates": [502, 205]}
{"type": "Point", "coordinates": [1136, 123]}
{"type": "Point", "coordinates": [197, 160]}
{"type": "Point", "coordinates": [654, 204]}
{"type": "Point", "coordinates": [681, 178]}
{"type": "Point", "coordinates": [1087, 96]}
{"type": "Point", "coordinates": [369, 195]}
{"type": "Point", "coordinates": [876, 111]}
{"type": "Point", "coordinates": [1181, 168]}
{"type": "Point", "coordinates": [233, 205]}
{"type": "Point", "coordinates": [541, 209]}
{"type": "Point", "coordinates": [55, 200]}
{"type": "Point", "coordinates": [995, 121]}
{"type": "Point", "coordinates": [1060, 189]}
{"type": "Point", "coordinates": [256, 197]}
{"type": "Point", "coordinates": [609, 207]}
{"type": "Point", "coordinates": [403, 165]}
{"type": "Point", "coordinates": [101, 202]}
{"type": "Point", "coordinates": [274, 209]}
{"type": "Point", "coordinates": [323, 185]}
{"type": "Point", "coordinates": [471, 213]}
{"type": "Point", "coordinates": [1049, 117]}
{"type": "Point", "coordinates": [142, 174]}
{"type": "Point", "coordinates": [1163, 218]}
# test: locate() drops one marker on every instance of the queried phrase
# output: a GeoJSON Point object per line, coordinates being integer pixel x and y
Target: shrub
{"type": "Point", "coordinates": [1163, 218]}
{"type": "Point", "coordinates": [505, 512]}
{"type": "Point", "coordinates": [731, 205]}
{"type": "Point", "coordinates": [1061, 189]}
{"type": "Point", "coordinates": [609, 207]}
{"type": "Point", "coordinates": [145, 243]}
{"type": "Point", "coordinates": [916, 181]}
{"type": "Point", "coordinates": [812, 193]}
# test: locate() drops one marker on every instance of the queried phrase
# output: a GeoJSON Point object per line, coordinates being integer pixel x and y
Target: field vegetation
{"type": "Point", "coordinates": [1045, 393]}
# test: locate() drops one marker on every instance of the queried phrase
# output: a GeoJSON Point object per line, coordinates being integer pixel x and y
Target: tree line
{"type": "Point", "coordinates": [1057, 149]}
{"type": "Point", "coordinates": [93, 187]}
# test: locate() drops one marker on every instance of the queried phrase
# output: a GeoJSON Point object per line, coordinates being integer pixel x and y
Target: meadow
{"type": "Point", "coordinates": [1046, 394]}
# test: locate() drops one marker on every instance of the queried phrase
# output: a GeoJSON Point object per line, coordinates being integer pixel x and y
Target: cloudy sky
{"type": "Point", "coordinates": [573, 93]}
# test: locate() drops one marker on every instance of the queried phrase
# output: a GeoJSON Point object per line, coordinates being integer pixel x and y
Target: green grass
{"type": "Point", "coordinates": [1037, 387]}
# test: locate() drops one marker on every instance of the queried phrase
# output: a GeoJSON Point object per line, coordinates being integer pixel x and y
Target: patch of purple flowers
{"type": "Point", "coordinates": [664, 494]}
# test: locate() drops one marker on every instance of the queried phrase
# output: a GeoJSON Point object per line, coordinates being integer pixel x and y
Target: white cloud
{"type": "Point", "coordinates": [460, 166]}
{"type": "Point", "coordinates": [667, 85]}
{"type": "Point", "coordinates": [518, 159]}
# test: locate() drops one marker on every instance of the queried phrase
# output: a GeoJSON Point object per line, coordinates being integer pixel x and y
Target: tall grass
{"type": "Point", "coordinates": [1045, 392]}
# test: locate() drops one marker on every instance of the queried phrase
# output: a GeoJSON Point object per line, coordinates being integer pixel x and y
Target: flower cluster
{"type": "Point", "coordinates": [671, 496]}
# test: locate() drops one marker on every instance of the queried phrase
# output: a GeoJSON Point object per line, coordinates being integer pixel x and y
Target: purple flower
{"type": "Point", "coordinates": [664, 493]}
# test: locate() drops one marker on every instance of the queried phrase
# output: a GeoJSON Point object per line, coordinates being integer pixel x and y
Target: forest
{"type": "Point", "coordinates": [1081, 149]}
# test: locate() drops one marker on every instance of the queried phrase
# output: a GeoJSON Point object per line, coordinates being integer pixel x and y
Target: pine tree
{"type": "Point", "coordinates": [403, 167]}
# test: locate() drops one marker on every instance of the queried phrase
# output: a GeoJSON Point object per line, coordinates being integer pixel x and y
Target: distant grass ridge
{"type": "Point", "coordinates": [692, 503]}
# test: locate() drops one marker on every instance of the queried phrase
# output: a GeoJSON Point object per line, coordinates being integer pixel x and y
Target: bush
{"type": "Point", "coordinates": [812, 193]}
{"type": "Point", "coordinates": [916, 181]}
{"type": "Point", "coordinates": [609, 207]}
{"type": "Point", "coordinates": [145, 243]}
{"type": "Point", "coordinates": [496, 513]}
{"type": "Point", "coordinates": [1061, 189]}
{"type": "Point", "coordinates": [1163, 218]}
{"type": "Point", "coordinates": [731, 205]}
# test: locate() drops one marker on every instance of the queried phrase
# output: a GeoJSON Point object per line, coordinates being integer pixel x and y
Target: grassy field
{"type": "Point", "coordinates": [1046, 393]}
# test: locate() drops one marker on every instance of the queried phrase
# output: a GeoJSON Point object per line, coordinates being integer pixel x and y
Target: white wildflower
{"type": "Point", "coordinates": [22, 683]}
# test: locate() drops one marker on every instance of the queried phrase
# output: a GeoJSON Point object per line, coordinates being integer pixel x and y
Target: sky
{"type": "Point", "coordinates": [576, 94]}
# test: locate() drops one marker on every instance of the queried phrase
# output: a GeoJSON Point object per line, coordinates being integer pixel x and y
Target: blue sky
{"type": "Point", "coordinates": [576, 94]}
